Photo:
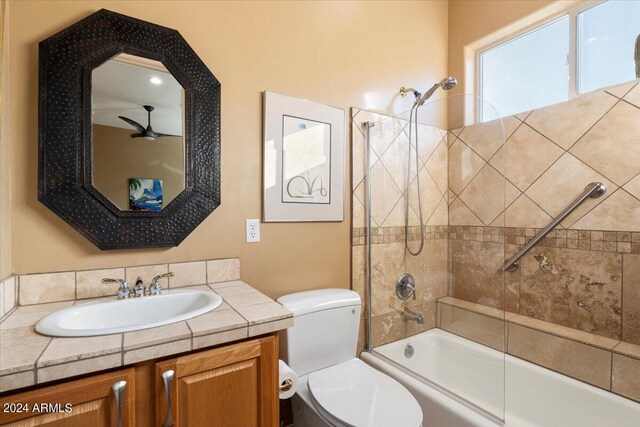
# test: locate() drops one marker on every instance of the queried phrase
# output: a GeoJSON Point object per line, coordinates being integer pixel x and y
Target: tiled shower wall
{"type": "Point", "coordinates": [586, 274]}
{"type": "Point", "coordinates": [390, 145]}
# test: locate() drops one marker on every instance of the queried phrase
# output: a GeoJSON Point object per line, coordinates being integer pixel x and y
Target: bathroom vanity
{"type": "Point", "coordinates": [219, 368]}
{"type": "Point", "coordinates": [234, 384]}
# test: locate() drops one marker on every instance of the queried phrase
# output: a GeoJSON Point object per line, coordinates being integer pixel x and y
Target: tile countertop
{"type": "Point", "coordinates": [28, 358]}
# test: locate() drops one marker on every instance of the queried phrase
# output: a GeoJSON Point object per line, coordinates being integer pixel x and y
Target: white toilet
{"type": "Point", "coordinates": [335, 388]}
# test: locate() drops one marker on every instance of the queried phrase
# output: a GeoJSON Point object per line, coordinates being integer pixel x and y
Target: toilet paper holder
{"type": "Point", "coordinates": [286, 385]}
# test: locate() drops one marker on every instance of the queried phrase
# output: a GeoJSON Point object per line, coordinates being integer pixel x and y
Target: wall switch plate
{"type": "Point", "coordinates": [253, 230]}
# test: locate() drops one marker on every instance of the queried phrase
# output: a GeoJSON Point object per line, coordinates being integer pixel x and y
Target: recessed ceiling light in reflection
{"type": "Point", "coordinates": [155, 80]}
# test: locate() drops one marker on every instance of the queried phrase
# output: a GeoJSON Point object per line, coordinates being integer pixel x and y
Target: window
{"type": "Point", "coordinates": [583, 50]}
{"type": "Point", "coordinates": [606, 42]}
{"type": "Point", "coordinates": [528, 72]}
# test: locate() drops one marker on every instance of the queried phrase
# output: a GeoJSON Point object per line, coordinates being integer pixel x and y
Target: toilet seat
{"type": "Point", "coordinates": [356, 395]}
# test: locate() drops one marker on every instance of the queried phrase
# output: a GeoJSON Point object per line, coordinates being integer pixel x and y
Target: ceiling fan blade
{"type": "Point", "coordinates": [166, 134]}
{"type": "Point", "coordinates": [137, 135]}
{"type": "Point", "coordinates": [133, 123]}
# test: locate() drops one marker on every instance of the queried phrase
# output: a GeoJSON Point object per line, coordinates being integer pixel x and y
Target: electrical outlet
{"type": "Point", "coordinates": [253, 230]}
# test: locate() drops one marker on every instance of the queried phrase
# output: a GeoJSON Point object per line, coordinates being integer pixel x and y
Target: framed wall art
{"type": "Point", "coordinates": [304, 157]}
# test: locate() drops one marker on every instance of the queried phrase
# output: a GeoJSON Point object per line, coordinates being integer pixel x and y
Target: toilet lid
{"type": "Point", "coordinates": [354, 394]}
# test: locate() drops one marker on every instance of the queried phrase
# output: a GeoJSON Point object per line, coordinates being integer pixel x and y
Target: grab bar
{"type": "Point", "coordinates": [593, 190]}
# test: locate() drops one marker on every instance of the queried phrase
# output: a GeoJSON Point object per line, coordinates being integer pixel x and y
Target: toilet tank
{"type": "Point", "coordinates": [325, 331]}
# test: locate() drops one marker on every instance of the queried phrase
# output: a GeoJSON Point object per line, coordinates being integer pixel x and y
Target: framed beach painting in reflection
{"type": "Point", "coordinates": [145, 194]}
{"type": "Point", "coordinates": [304, 155]}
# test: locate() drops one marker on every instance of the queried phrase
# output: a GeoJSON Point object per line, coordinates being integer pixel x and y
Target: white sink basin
{"type": "Point", "coordinates": [111, 316]}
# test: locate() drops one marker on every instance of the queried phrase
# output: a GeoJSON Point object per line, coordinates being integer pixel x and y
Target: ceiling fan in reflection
{"type": "Point", "coordinates": [148, 132]}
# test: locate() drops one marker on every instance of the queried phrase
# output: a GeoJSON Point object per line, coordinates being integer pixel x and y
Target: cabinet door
{"type": "Point", "coordinates": [231, 386]}
{"type": "Point", "coordinates": [80, 403]}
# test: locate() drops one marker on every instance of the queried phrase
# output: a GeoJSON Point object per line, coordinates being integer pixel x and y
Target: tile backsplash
{"type": "Point", "coordinates": [70, 285]}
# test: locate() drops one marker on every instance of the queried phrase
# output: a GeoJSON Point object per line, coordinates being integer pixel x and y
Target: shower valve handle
{"type": "Point", "coordinates": [406, 287]}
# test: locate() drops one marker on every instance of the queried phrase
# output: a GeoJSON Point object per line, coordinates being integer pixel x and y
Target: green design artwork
{"type": "Point", "coordinates": [309, 187]}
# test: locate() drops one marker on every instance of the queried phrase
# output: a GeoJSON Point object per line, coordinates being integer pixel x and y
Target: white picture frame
{"type": "Point", "coordinates": [303, 160]}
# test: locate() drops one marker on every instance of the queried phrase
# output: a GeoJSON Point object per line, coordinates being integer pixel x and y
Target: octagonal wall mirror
{"type": "Point", "coordinates": [129, 132]}
{"type": "Point", "coordinates": [137, 133]}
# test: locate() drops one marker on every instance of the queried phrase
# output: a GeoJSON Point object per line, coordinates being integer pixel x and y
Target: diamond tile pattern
{"type": "Point", "coordinates": [464, 164]}
{"type": "Point", "coordinates": [551, 157]}
{"type": "Point", "coordinates": [395, 160]}
{"type": "Point", "coordinates": [429, 138]}
{"type": "Point", "coordinates": [633, 187]}
{"type": "Point", "coordinates": [525, 213]}
{"type": "Point", "coordinates": [529, 154]}
{"type": "Point", "coordinates": [429, 189]}
{"type": "Point", "coordinates": [619, 212]}
{"type": "Point", "coordinates": [565, 123]}
{"type": "Point", "coordinates": [485, 194]}
{"type": "Point", "coordinates": [563, 183]}
{"type": "Point", "coordinates": [437, 166]}
{"type": "Point", "coordinates": [484, 138]}
{"type": "Point", "coordinates": [633, 96]}
{"type": "Point", "coordinates": [390, 148]}
{"type": "Point", "coordinates": [472, 178]}
{"type": "Point", "coordinates": [612, 146]}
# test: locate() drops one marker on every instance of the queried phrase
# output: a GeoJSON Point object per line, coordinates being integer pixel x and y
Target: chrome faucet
{"type": "Point", "coordinates": [154, 288]}
{"type": "Point", "coordinates": [412, 315]}
{"type": "Point", "coordinates": [124, 291]}
{"type": "Point", "coordinates": [139, 290]}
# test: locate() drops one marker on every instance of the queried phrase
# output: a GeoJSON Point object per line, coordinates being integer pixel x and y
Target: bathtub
{"type": "Point", "coordinates": [460, 383]}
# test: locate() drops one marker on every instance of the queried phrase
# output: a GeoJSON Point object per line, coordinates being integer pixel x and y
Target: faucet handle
{"type": "Point", "coordinates": [406, 287]}
{"type": "Point", "coordinates": [156, 279]}
{"type": "Point", "coordinates": [123, 290]}
{"type": "Point", "coordinates": [154, 288]}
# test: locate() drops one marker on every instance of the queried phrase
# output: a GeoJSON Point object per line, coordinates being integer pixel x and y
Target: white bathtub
{"type": "Point", "coordinates": [446, 372]}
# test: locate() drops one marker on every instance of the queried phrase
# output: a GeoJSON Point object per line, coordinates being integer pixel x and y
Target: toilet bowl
{"type": "Point", "coordinates": [335, 388]}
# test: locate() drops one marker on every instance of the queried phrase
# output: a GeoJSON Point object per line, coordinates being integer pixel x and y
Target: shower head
{"type": "Point", "coordinates": [447, 83]}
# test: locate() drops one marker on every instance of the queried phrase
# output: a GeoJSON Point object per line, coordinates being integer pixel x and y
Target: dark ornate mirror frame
{"type": "Point", "coordinates": [65, 186]}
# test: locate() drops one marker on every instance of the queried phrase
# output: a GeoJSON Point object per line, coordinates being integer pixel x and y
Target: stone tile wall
{"type": "Point", "coordinates": [550, 155]}
{"type": "Point", "coordinates": [389, 150]}
{"type": "Point", "coordinates": [504, 183]}
{"type": "Point", "coordinates": [583, 275]}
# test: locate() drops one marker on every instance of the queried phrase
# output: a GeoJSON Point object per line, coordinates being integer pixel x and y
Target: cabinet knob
{"type": "Point", "coordinates": [118, 389]}
{"type": "Point", "coordinates": [167, 379]}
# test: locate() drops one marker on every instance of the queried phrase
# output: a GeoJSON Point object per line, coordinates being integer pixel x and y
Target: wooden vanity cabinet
{"type": "Point", "coordinates": [92, 401]}
{"type": "Point", "coordinates": [233, 386]}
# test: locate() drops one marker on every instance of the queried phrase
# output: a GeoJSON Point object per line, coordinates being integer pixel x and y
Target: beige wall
{"type": "Point", "coordinates": [5, 194]}
{"type": "Point", "coordinates": [117, 157]}
{"type": "Point", "coordinates": [340, 53]}
{"type": "Point", "coordinates": [473, 24]}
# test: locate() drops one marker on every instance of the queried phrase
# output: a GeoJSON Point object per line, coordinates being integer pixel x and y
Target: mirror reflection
{"type": "Point", "coordinates": [138, 133]}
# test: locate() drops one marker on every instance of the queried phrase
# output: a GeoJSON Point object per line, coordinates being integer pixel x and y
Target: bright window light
{"type": "Point", "coordinates": [586, 49]}
{"type": "Point", "coordinates": [606, 42]}
{"type": "Point", "coordinates": [528, 72]}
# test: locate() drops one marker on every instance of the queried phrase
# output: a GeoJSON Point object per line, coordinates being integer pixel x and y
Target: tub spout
{"type": "Point", "coordinates": [412, 315]}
